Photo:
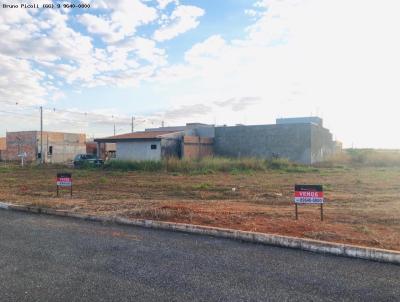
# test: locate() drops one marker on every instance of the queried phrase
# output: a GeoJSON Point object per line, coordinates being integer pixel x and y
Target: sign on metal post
{"type": "Point", "coordinates": [309, 194]}
{"type": "Point", "coordinates": [22, 156]}
{"type": "Point", "coordinates": [64, 180]}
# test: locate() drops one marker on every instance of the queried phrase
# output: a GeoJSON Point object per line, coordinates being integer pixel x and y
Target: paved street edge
{"type": "Point", "coordinates": [317, 246]}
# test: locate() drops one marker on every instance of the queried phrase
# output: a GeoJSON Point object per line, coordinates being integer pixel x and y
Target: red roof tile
{"type": "Point", "coordinates": [138, 135]}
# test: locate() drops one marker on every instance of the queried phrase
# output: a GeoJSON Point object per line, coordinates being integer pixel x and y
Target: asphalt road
{"type": "Point", "coordinates": [44, 258]}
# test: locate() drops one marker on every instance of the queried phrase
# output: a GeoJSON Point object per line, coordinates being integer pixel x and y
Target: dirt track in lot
{"type": "Point", "coordinates": [362, 204]}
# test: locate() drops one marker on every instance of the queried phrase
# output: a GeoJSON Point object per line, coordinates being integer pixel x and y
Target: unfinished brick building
{"type": "Point", "coordinates": [58, 147]}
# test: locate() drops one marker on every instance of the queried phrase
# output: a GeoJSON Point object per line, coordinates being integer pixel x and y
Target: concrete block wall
{"type": "Point", "coordinates": [302, 143]}
{"type": "Point", "coordinates": [301, 120]}
{"type": "Point", "coordinates": [206, 131]}
{"type": "Point", "coordinates": [265, 141]}
{"type": "Point", "coordinates": [322, 144]}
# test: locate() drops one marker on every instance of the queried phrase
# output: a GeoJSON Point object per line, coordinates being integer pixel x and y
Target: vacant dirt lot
{"type": "Point", "coordinates": [362, 207]}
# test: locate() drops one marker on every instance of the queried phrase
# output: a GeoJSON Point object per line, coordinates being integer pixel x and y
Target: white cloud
{"type": "Point", "coordinates": [213, 47]}
{"type": "Point", "coordinates": [162, 4]}
{"type": "Point", "coordinates": [186, 111]}
{"type": "Point", "coordinates": [99, 4]}
{"type": "Point", "coordinates": [101, 26]}
{"type": "Point", "coordinates": [25, 82]}
{"type": "Point", "coordinates": [251, 12]}
{"type": "Point", "coordinates": [182, 19]}
{"type": "Point", "coordinates": [144, 48]}
{"type": "Point", "coordinates": [125, 17]}
{"type": "Point", "coordinates": [238, 104]}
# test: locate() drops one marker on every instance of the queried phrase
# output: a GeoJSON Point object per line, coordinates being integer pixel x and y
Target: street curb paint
{"type": "Point", "coordinates": [316, 246]}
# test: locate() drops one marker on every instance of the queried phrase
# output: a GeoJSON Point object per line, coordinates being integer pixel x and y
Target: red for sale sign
{"type": "Point", "coordinates": [64, 180]}
{"type": "Point", "coordinates": [309, 194]}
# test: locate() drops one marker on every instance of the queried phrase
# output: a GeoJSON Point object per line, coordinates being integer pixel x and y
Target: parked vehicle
{"type": "Point", "coordinates": [87, 159]}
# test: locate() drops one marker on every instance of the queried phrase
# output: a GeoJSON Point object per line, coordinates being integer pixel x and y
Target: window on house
{"type": "Point", "coordinates": [153, 147]}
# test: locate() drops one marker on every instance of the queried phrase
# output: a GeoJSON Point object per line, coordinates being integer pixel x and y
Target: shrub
{"type": "Point", "coordinates": [364, 157]}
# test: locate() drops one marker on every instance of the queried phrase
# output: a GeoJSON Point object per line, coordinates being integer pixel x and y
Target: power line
{"type": "Point", "coordinates": [82, 120]}
{"type": "Point", "coordinates": [19, 114]}
{"type": "Point", "coordinates": [54, 109]}
{"type": "Point", "coordinates": [86, 114]}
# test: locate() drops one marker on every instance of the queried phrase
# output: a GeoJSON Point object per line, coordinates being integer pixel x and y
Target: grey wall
{"type": "Point", "coordinates": [322, 145]}
{"type": "Point", "coordinates": [300, 120]}
{"type": "Point", "coordinates": [207, 131]}
{"type": "Point", "coordinates": [140, 150]}
{"type": "Point", "coordinates": [302, 143]}
{"type": "Point", "coordinates": [265, 141]}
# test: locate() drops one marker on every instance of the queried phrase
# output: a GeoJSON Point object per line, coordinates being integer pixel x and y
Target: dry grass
{"type": "Point", "coordinates": [206, 165]}
{"type": "Point", "coordinates": [363, 202]}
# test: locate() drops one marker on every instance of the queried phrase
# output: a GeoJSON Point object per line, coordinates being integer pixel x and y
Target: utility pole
{"type": "Point", "coordinates": [133, 118]}
{"type": "Point", "coordinates": [162, 124]}
{"type": "Point", "coordinates": [41, 135]}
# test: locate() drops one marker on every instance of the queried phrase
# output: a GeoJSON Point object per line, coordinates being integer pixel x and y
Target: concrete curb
{"type": "Point", "coordinates": [316, 246]}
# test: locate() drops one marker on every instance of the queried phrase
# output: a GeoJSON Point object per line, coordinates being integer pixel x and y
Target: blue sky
{"type": "Point", "coordinates": [222, 61]}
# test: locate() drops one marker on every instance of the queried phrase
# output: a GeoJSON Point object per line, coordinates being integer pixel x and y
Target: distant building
{"type": "Point", "coordinates": [191, 141]}
{"type": "Point", "coordinates": [303, 140]}
{"type": "Point", "coordinates": [151, 145]}
{"type": "Point", "coordinates": [338, 146]}
{"type": "Point", "coordinates": [58, 147]}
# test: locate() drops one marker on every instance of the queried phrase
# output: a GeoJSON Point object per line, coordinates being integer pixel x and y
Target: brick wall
{"type": "Point", "coordinates": [195, 147]}
{"type": "Point", "coordinates": [20, 142]}
{"type": "Point", "coordinates": [91, 148]}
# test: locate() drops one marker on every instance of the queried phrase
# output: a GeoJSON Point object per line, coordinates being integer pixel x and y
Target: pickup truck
{"type": "Point", "coordinates": [87, 160]}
